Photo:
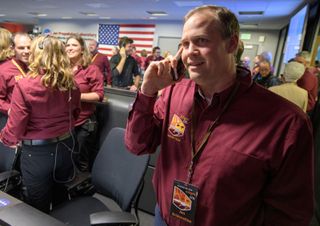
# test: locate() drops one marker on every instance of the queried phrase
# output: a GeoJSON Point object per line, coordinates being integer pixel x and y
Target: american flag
{"type": "Point", "coordinates": [142, 35]}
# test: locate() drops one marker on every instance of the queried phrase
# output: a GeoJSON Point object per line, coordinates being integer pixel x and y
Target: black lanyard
{"type": "Point", "coordinates": [196, 152]}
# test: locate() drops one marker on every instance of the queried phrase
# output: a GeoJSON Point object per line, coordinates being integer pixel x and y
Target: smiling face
{"type": "Point", "coordinates": [74, 50]}
{"type": "Point", "coordinates": [22, 45]}
{"type": "Point", "coordinates": [92, 46]}
{"type": "Point", "coordinates": [206, 54]}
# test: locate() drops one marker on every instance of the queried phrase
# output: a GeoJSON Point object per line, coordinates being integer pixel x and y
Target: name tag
{"type": "Point", "coordinates": [184, 201]}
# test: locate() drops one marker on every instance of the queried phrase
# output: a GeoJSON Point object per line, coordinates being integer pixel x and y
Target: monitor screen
{"type": "Point", "coordinates": [295, 34]}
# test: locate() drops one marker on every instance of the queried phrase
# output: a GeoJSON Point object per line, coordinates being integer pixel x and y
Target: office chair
{"type": "Point", "coordinates": [9, 177]}
{"type": "Point", "coordinates": [116, 174]}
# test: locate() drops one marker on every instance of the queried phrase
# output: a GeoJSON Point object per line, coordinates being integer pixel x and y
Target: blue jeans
{"type": "Point", "coordinates": [158, 221]}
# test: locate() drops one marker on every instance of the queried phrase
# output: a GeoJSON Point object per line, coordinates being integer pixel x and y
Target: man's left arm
{"type": "Point", "coordinates": [288, 197]}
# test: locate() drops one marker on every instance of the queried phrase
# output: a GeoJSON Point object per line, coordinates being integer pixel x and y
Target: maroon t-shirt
{"type": "Point", "coordinates": [256, 167]}
{"type": "Point", "coordinates": [9, 75]}
{"type": "Point", "coordinates": [38, 112]}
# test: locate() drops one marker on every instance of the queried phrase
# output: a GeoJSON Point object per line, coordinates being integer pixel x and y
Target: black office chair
{"type": "Point", "coordinates": [116, 174]}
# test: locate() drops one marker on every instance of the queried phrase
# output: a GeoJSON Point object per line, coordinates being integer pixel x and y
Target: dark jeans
{"type": "Point", "coordinates": [3, 120]}
{"type": "Point", "coordinates": [158, 221]}
{"type": "Point", "coordinates": [44, 169]}
{"type": "Point", "coordinates": [87, 144]}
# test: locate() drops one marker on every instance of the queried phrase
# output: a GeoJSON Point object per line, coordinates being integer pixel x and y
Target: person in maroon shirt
{"type": "Point", "coordinates": [227, 158]}
{"type": "Point", "coordinates": [309, 80]}
{"type": "Point", "coordinates": [43, 109]}
{"type": "Point", "coordinates": [90, 81]}
{"type": "Point", "coordinates": [12, 70]}
{"type": "Point", "coordinates": [155, 56]}
{"type": "Point", "coordinates": [100, 60]}
{"type": "Point", "coordinates": [6, 51]}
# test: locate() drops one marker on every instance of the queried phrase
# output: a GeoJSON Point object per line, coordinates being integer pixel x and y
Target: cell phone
{"type": "Point", "coordinates": [178, 72]}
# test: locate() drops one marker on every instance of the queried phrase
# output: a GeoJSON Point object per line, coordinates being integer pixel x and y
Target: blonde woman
{"type": "Point", "coordinates": [44, 107]}
{"type": "Point", "coordinates": [6, 51]}
{"type": "Point", "coordinates": [90, 82]}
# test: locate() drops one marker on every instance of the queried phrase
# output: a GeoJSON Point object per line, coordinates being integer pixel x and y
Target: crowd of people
{"type": "Point", "coordinates": [233, 152]}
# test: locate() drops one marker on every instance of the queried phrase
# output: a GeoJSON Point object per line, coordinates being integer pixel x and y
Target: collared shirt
{"type": "Point", "coordinates": [88, 79]}
{"type": "Point", "coordinates": [293, 93]}
{"type": "Point", "coordinates": [130, 70]}
{"type": "Point", "coordinates": [9, 75]}
{"type": "Point", "coordinates": [102, 62]}
{"type": "Point", "coordinates": [267, 81]}
{"type": "Point", "coordinates": [309, 82]}
{"type": "Point", "coordinates": [38, 112]}
{"type": "Point", "coordinates": [151, 58]}
{"type": "Point", "coordinates": [256, 167]}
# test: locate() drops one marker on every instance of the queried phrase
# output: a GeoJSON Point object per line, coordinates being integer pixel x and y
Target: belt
{"type": "Point", "coordinates": [46, 141]}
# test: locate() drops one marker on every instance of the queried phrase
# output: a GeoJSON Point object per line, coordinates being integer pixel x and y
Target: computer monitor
{"type": "Point", "coordinates": [296, 33]}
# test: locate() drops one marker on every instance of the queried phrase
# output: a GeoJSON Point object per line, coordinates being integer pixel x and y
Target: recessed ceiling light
{"type": "Point", "coordinates": [38, 14]}
{"type": "Point", "coordinates": [89, 13]}
{"type": "Point", "coordinates": [152, 17]}
{"type": "Point", "coordinates": [188, 3]}
{"type": "Point", "coordinates": [2, 14]}
{"type": "Point", "coordinates": [157, 13]}
{"type": "Point", "coordinates": [251, 13]}
{"type": "Point", "coordinates": [97, 5]}
{"type": "Point", "coordinates": [66, 17]}
{"type": "Point", "coordinates": [104, 17]}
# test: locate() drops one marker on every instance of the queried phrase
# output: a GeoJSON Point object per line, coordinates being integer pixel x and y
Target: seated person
{"type": "Point", "coordinates": [290, 90]}
{"type": "Point", "coordinates": [265, 77]}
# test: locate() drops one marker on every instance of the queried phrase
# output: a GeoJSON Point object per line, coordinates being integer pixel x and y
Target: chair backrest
{"type": "Point", "coordinates": [116, 172]}
{"type": "Point", "coordinates": [7, 156]}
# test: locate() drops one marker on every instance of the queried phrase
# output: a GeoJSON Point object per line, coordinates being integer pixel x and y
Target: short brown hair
{"type": "Point", "coordinates": [228, 22]}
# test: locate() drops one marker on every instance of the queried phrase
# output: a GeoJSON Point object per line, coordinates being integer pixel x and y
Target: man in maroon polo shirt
{"type": "Point", "coordinates": [227, 158]}
{"type": "Point", "coordinates": [155, 56]}
{"type": "Point", "coordinates": [100, 60]}
{"type": "Point", "coordinates": [309, 80]}
{"type": "Point", "coordinates": [13, 70]}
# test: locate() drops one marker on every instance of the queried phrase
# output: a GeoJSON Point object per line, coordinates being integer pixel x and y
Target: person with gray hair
{"type": "Point", "coordinates": [232, 152]}
{"type": "Point", "coordinates": [290, 90]}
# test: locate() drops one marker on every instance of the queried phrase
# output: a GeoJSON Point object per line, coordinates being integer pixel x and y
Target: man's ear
{"type": "Point", "coordinates": [232, 45]}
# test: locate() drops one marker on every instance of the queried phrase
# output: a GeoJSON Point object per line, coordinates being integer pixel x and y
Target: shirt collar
{"type": "Point", "coordinates": [243, 77]}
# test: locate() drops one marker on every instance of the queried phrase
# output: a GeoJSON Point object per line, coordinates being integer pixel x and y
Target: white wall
{"type": "Point", "coordinates": [269, 44]}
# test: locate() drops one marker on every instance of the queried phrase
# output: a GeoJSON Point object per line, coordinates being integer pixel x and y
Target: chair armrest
{"type": "Point", "coordinates": [80, 178]}
{"type": "Point", "coordinates": [107, 217]}
{"type": "Point", "coordinates": [8, 174]}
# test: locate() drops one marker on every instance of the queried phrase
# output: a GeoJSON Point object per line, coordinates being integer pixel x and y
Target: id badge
{"type": "Point", "coordinates": [184, 201]}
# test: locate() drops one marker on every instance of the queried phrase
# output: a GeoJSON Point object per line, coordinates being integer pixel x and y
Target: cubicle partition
{"type": "Point", "coordinates": [113, 112]}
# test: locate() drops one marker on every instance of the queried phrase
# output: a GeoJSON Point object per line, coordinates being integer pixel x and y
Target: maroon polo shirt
{"type": "Point", "coordinates": [151, 58]}
{"type": "Point", "coordinates": [256, 167]}
{"type": "Point", "coordinates": [102, 62]}
{"type": "Point", "coordinates": [9, 75]}
{"type": "Point", "coordinates": [309, 82]}
{"type": "Point", "coordinates": [89, 80]}
{"type": "Point", "coordinates": [38, 112]}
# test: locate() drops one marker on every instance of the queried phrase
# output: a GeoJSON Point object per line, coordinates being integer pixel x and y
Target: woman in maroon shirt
{"type": "Point", "coordinates": [43, 109]}
{"type": "Point", "coordinates": [90, 82]}
{"type": "Point", "coordinates": [6, 53]}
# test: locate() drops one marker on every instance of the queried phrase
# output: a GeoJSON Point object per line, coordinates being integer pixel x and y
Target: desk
{"type": "Point", "coordinates": [14, 212]}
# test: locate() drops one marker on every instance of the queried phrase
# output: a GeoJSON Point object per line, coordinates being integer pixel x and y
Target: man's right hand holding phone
{"type": "Point", "coordinates": [161, 74]}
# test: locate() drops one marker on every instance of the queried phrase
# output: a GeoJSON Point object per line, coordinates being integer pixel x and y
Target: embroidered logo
{"type": "Point", "coordinates": [18, 77]}
{"type": "Point", "coordinates": [181, 200]}
{"type": "Point", "coordinates": [177, 126]}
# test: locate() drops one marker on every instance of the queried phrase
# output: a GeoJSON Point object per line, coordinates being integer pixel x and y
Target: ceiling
{"type": "Point", "coordinates": [276, 13]}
